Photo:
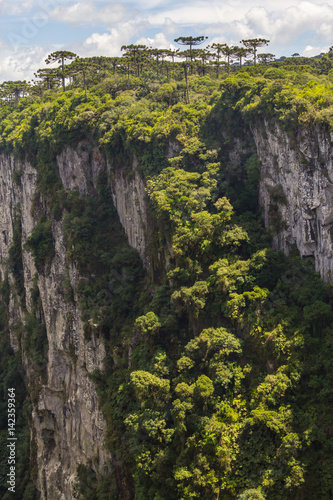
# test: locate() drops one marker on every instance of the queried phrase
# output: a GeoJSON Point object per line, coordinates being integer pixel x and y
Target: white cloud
{"type": "Point", "coordinates": [198, 13]}
{"type": "Point", "coordinates": [170, 27]}
{"type": "Point", "coordinates": [258, 19]}
{"type": "Point", "coordinates": [291, 25]}
{"type": "Point", "coordinates": [283, 23]}
{"type": "Point", "coordinates": [88, 12]}
{"type": "Point", "coordinates": [17, 8]}
{"type": "Point", "coordinates": [282, 28]}
{"type": "Point", "coordinates": [109, 44]}
{"type": "Point", "coordinates": [310, 51]}
{"type": "Point", "coordinates": [22, 66]}
{"type": "Point", "coordinates": [307, 16]}
{"type": "Point", "coordinates": [160, 41]}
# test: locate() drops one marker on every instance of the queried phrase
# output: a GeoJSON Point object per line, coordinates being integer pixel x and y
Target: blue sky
{"type": "Point", "coordinates": [31, 29]}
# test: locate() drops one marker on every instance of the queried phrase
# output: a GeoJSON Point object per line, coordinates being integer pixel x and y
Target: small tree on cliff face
{"type": "Point", "coordinates": [60, 56]}
{"type": "Point", "coordinates": [252, 44]}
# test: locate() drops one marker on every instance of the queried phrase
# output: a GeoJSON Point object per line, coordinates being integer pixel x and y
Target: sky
{"type": "Point", "coordinates": [32, 29]}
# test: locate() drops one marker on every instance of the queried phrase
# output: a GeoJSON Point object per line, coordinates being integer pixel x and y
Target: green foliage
{"type": "Point", "coordinates": [17, 175]}
{"type": "Point", "coordinates": [92, 486]}
{"type": "Point", "coordinates": [203, 387]}
{"type": "Point", "coordinates": [35, 342]}
{"type": "Point", "coordinates": [251, 495]}
{"type": "Point", "coordinates": [40, 243]}
{"type": "Point", "coordinates": [15, 256]}
{"type": "Point", "coordinates": [148, 324]}
{"type": "Point", "coordinates": [148, 386]}
{"type": "Point", "coordinates": [96, 243]}
{"type": "Point", "coordinates": [235, 427]}
{"type": "Point", "coordinates": [11, 372]}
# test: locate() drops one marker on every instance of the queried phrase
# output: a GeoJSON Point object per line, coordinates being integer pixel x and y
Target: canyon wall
{"type": "Point", "coordinates": [67, 426]}
{"type": "Point", "coordinates": [296, 191]}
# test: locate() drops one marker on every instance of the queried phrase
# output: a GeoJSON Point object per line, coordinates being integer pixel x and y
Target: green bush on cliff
{"type": "Point", "coordinates": [40, 243]}
{"type": "Point", "coordinates": [15, 255]}
{"type": "Point", "coordinates": [11, 376]}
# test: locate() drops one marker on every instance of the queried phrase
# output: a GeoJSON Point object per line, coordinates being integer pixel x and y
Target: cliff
{"type": "Point", "coordinates": [296, 191]}
{"type": "Point", "coordinates": [67, 426]}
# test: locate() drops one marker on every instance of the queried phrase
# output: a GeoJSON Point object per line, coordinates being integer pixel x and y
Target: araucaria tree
{"type": "Point", "coordinates": [217, 52]}
{"type": "Point", "coordinates": [252, 44]}
{"type": "Point", "coordinates": [14, 90]}
{"type": "Point", "coordinates": [82, 67]}
{"type": "Point", "coordinates": [60, 56]}
{"type": "Point", "coordinates": [191, 42]}
{"type": "Point", "coordinates": [48, 77]}
{"type": "Point", "coordinates": [228, 52]}
{"type": "Point", "coordinates": [135, 54]}
{"type": "Point", "coordinates": [266, 58]}
{"type": "Point", "coordinates": [240, 53]}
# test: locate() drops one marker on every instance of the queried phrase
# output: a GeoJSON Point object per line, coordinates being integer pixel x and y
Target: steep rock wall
{"type": "Point", "coordinates": [67, 426]}
{"type": "Point", "coordinates": [79, 170]}
{"type": "Point", "coordinates": [296, 191]}
{"type": "Point", "coordinates": [129, 197]}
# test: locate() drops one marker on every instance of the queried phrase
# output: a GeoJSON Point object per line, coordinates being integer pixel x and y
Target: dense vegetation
{"type": "Point", "coordinates": [12, 375]}
{"type": "Point", "coordinates": [218, 376]}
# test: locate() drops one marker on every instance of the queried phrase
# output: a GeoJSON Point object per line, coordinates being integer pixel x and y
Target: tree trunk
{"type": "Point", "coordinates": [85, 86]}
{"type": "Point", "coordinates": [63, 74]}
{"type": "Point", "coordinates": [186, 79]}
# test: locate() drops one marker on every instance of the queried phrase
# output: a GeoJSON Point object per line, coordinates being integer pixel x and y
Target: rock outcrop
{"type": "Point", "coordinates": [296, 191]}
{"type": "Point", "coordinates": [129, 197]}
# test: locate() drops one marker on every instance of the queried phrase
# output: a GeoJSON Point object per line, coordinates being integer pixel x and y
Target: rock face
{"type": "Point", "coordinates": [67, 427]}
{"type": "Point", "coordinates": [129, 198]}
{"type": "Point", "coordinates": [79, 170]}
{"type": "Point", "coordinates": [296, 191]}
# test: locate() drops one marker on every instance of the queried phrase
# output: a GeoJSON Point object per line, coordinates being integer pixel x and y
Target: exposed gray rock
{"type": "Point", "coordinates": [129, 198]}
{"type": "Point", "coordinates": [68, 426]}
{"type": "Point", "coordinates": [296, 190]}
{"type": "Point", "coordinates": [79, 170]}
